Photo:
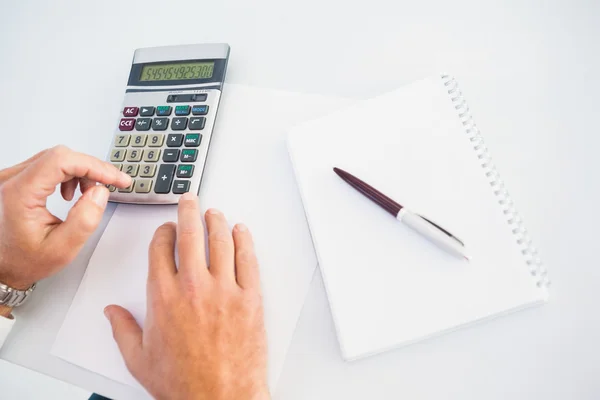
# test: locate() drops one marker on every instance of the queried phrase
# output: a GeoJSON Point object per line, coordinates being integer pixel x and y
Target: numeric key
{"type": "Point", "coordinates": [156, 140]}
{"type": "Point", "coordinates": [135, 155]}
{"type": "Point", "coordinates": [138, 140]}
{"type": "Point", "coordinates": [131, 169]}
{"type": "Point", "coordinates": [122, 140]}
{"type": "Point", "coordinates": [151, 155]}
{"type": "Point", "coordinates": [117, 155]}
{"type": "Point", "coordinates": [147, 170]}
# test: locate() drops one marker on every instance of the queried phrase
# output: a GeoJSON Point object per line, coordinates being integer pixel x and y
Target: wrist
{"type": "Point", "coordinates": [6, 312]}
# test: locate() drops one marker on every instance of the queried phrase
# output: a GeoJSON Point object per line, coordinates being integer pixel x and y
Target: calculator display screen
{"type": "Point", "coordinates": [176, 72]}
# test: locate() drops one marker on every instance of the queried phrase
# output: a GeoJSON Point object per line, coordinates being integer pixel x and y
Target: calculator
{"type": "Point", "coordinates": [165, 126]}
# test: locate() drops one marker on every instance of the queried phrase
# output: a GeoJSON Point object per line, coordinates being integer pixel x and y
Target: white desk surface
{"type": "Point", "coordinates": [529, 72]}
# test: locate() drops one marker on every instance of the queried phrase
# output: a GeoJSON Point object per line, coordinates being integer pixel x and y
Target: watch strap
{"type": "Point", "coordinates": [11, 297]}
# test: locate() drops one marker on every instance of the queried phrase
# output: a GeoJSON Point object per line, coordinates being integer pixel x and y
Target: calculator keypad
{"type": "Point", "coordinates": [158, 146]}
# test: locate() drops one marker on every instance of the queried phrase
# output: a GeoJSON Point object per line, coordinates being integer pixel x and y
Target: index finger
{"type": "Point", "coordinates": [61, 164]}
{"type": "Point", "coordinates": [190, 239]}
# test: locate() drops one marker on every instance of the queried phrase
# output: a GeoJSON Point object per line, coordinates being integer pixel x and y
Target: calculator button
{"type": "Point", "coordinates": [131, 169]}
{"type": "Point", "coordinates": [182, 110]}
{"type": "Point", "coordinates": [197, 124]}
{"type": "Point", "coordinates": [117, 155]}
{"type": "Point", "coordinates": [185, 171]}
{"type": "Point", "coordinates": [160, 124]}
{"type": "Point", "coordinates": [147, 170]}
{"type": "Point", "coordinates": [189, 155]}
{"type": "Point", "coordinates": [143, 185]}
{"type": "Point", "coordinates": [129, 188]}
{"type": "Point", "coordinates": [175, 140]}
{"type": "Point", "coordinates": [138, 140]}
{"type": "Point", "coordinates": [181, 187]}
{"type": "Point", "coordinates": [164, 178]}
{"type": "Point", "coordinates": [170, 155]}
{"type": "Point", "coordinates": [135, 155]}
{"type": "Point", "coordinates": [143, 124]}
{"type": "Point", "coordinates": [126, 124]}
{"type": "Point", "coordinates": [192, 140]}
{"type": "Point", "coordinates": [122, 140]}
{"type": "Point", "coordinates": [163, 111]}
{"type": "Point", "coordinates": [130, 111]}
{"type": "Point", "coordinates": [156, 140]}
{"type": "Point", "coordinates": [147, 111]}
{"type": "Point", "coordinates": [151, 155]}
{"type": "Point", "coordinates": [111, 188]}
{"type": "Point", "coordinates": [179, 124]}
{"type": "Point", "coordinates": [200, 109]}
{"type": "Point", "coordinates": [118, 166]}
{"type": "Point", "coordinates": [199, 97]}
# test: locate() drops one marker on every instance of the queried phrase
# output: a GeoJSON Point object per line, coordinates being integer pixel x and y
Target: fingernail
{"type": "Point", "coordinates": [107, 312]}
{"type": "Point", "coordinates": [213, 211]}
{"type": "Point", "coordinates": [125, 177]}
{"type": "Point", "coordinates": [189, 196]}
{"type": "Point", "coordinates": [100, 196]}
{"type": "Point", "coordinates": [241, 227]}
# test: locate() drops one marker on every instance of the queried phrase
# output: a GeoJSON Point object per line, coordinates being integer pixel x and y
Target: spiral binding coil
{"type": "Point", "coordinates": [536, 267]}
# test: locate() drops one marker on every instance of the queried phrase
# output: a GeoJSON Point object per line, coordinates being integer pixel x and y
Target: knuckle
{"type": "Point", "coordinates": [59, 151]}
{"type": "Point", "coordinates": [246, 256]}
{"type": "Point", "coordinates": [219, 237]}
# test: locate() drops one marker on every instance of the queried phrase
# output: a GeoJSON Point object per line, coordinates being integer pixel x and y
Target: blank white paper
{"type": "Point", "coordinates": [249, 177]}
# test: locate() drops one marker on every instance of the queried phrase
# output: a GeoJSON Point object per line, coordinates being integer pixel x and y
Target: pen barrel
{"type": "Point", "coordinates": [431, 232]}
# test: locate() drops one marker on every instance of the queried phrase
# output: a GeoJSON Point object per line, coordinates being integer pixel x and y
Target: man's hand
{"type": "Point", "coordinates": [204, 335]}
{"type": "Point", "coordinates": [35, 244]}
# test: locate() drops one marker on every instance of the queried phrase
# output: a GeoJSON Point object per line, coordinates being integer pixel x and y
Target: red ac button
{"type": "Point", "coordinates": [126, 124]}
{"type": "Point", "coordinates": [130, 111]}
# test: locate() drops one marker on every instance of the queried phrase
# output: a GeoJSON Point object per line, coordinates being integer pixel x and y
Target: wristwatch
{"type": "Point", "coordinates": [12, 297]}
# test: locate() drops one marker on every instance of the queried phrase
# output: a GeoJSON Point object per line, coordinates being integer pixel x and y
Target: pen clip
{"type": "Point", "coordinates": [443, 230]}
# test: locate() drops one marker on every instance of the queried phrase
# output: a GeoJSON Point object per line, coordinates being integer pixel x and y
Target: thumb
{"type": "Point", "coordinates": [82, 221]}
{"type": "Point", "coordinates": [128, 335]}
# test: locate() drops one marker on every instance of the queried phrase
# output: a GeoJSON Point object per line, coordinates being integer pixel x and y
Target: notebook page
{"type": "Point", "coordinates": [249, 177]}
{"type": "Point", "coordinates": [387, 285]}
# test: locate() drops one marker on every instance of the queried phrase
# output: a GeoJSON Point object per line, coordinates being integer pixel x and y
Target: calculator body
{"type": "Point", "coordinates": [166, 122]}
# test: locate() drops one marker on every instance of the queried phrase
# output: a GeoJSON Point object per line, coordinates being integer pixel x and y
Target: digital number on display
{"type": "Point", "coordinates": [175, 72]}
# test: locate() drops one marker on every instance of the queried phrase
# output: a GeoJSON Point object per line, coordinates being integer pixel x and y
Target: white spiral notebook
{"type": "Point", "coordinates": [387, 286]}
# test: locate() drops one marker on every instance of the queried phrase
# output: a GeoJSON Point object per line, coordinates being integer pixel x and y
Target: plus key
{"type": "Point", "coordinates": [164, 178]}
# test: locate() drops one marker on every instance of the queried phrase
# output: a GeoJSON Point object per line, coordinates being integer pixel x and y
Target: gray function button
{"type": "Point", "coordinates": [147, 111]}
{"type": "Point", "coordinates": [175, 140]}
{"type": "Point", "coordinates": [160, 124]}
{"type": "Point", "coordinates": [197, 123]}
{"type": "Point", "coordinates": [179, 123]}
{"type": "Point", "coordinates": [170, 155]}
{"type": "Point", "coordinates": [181, 187]}
{"type": "Point", "coordinates": [143, 124]}
{"type": "Point", "coordinates": [164, 178]}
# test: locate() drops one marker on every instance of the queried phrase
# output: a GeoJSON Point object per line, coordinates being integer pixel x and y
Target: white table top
{"type": "Point", "coordinates": [529, 73]}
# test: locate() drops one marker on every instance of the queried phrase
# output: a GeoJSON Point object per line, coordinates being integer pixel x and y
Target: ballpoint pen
{"type": "Point", "coordinates": [430, 230]}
